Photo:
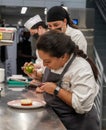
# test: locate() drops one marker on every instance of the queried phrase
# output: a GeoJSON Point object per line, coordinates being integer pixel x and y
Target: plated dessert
{"type": "Point", "coordinates": [26, 102]}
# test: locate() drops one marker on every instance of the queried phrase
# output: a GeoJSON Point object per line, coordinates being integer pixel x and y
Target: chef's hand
{"type": "Point", "coordinates": [39, 90]}
{"type": "Point", "coordinates": [48, 87]}
{"type": "Point", "coordinates": [34, 74]}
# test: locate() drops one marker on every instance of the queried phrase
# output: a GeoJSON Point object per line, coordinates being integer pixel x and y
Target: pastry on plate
{"type": "Point", "coordinates": [26, 102]}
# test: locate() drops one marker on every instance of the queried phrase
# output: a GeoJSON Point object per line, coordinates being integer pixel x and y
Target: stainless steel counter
{"type": "Point", "coordinates": [26, 119]}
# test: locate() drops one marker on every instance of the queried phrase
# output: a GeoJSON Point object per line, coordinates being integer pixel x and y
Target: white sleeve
{"type": "Point", "coordinates": [79, 40]}
{"type": "Point", "coordinates": [82, 42]}
{"type": "Point", "coordinates": [84, 89]}
{"type": "Point", "coordinates": [78, 37]}
{"type": "Point", "coordinates": [40, 63]}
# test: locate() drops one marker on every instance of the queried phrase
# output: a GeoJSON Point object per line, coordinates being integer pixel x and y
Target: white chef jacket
{"type": "Point", "coordinates": [78, 37]}
{"type": "Point", "coordinates": [79, 80]}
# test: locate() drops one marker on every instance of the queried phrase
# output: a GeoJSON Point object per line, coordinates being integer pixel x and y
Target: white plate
{"type": "Point", "coordinates": [35, 104]}
{"type": "Point", "coordinates": [17, 77]}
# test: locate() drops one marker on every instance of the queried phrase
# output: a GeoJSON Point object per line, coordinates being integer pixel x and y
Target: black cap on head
{"type": "Point", "coordinates": [56, 13]}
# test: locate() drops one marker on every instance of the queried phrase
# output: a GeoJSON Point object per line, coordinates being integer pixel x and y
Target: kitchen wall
{"type": "Point", "coordinates": [77, 10]}
{"type": "Point", "coordinates": [44, 3]}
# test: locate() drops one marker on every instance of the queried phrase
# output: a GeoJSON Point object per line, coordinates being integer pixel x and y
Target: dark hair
{"type": "Point", "coordinates": [57, 44]}
{"type": "Point", "coordinates": [59, 13]}
{"type": "Point", "coordinates": [39, 24]}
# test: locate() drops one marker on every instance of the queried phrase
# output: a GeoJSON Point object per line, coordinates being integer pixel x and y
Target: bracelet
{"type": "Point", "coordinates": [56, 91]}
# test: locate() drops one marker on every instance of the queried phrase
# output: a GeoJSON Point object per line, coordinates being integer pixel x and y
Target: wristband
{"type": "Point", "coordinates": [56, 91]}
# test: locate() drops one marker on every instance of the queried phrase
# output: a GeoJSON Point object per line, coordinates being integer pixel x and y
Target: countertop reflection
{"type": "Point", "coordinates": [26, 119]}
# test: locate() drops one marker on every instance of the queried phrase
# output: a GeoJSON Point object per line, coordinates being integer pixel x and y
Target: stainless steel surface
{"type": "Point", "coordinates": [29, 119]}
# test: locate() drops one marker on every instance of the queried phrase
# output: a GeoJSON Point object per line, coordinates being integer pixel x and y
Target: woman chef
{"type": "Point", "coordinates": [69, 80]}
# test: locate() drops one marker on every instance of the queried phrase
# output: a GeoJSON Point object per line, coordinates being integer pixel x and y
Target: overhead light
{"type": "Point", "coordinates": [23, 10]}
{"type": "Point", "coordinates": [66, 8]}
{"type": "Point", "coordinates": [45, 11]}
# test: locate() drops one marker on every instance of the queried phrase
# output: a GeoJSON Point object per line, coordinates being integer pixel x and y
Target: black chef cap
{"type": "Point", "coordinates": [57, 13]}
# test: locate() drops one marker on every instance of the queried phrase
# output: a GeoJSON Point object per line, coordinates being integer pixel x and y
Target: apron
{"type": "Point", "coordinates": [68, 116]}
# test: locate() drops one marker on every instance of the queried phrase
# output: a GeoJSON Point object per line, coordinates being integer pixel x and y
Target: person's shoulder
{"type": "Point", "coordinates": [73, 31]}
{"type": "Point", "coordinates": [79, 61]}
{"type": "Point", "coordinates": [79, 66]}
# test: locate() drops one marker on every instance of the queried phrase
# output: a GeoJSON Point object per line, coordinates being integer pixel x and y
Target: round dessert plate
{"type": "Point", "coordinates": [35, 104]}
